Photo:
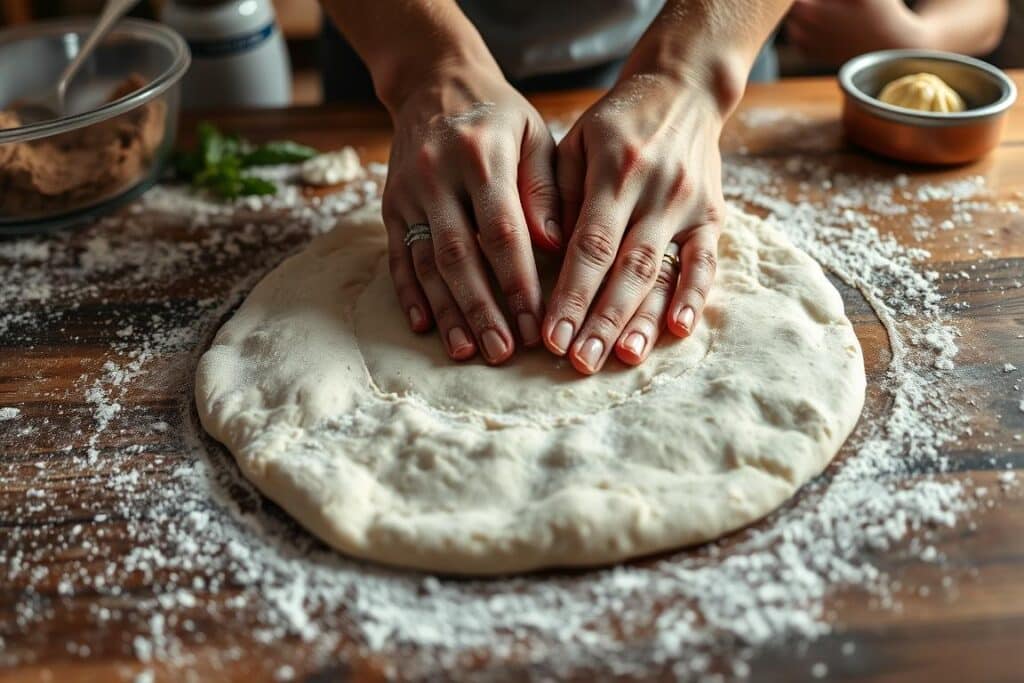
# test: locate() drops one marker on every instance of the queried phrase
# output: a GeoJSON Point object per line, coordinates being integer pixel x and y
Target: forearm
{"type": "Point", "coordinates": [405, 42]}
{"type": "Point", "coordinates": [967, 26]}
{"type": "Point", "coordinates": [711, 44]}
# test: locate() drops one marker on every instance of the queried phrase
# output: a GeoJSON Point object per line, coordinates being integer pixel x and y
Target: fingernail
{"type": "Point", "coordinates": [685, 318]}
{"type": "Point", "coordinates": [590, 353]}
{"type": "Point", "coordinates": [554, 230]}
{"type": "Point", "coordinates": [494, 346]}
{"type": "Point", "coordinates": [635, 343]}
{"type": "Point", "coordinates": [416, 317]}
{"type": "Point", "coordinates": [528, 328]}
{"type": "Point", "coordinates": [562, 335]}
{"type": "Point", "coordinates": [458, 340]}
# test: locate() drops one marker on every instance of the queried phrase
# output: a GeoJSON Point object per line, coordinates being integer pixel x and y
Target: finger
{"type": "Point", "coordinates": [698, 259]}
{"type": "Point", "coordinates": [455, 334]}
{"type": "Point", "coordinates": [570, 176]}
{"type": "Point", "coordinates": [403, 275]}
{"type": "Point", "coordinates": [537, 188]}
{"type": "Point", "coordinates": [589, 255]}
{"type": "Point", "coordinates": [642, 331]}
{"type": "Point", "coordinates": [506, 243]}
{"type": "Point", "coordinates": [630, 280]}
{"type": "Point", "coordinates": [462, 268]}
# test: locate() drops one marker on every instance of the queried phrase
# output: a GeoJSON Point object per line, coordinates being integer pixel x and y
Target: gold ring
{"type": "Point", "coordinates": [671, 255]}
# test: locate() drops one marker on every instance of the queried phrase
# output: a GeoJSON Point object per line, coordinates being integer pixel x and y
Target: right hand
{"type": "Point", "coordinates": [473, 160]}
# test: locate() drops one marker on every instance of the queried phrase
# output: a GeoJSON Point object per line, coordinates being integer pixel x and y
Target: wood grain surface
{"type": "Point", "coordinates": [976, 634]}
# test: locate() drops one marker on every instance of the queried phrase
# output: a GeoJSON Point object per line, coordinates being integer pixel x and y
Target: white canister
{"type": "Point", "coordinates": [239, 58]}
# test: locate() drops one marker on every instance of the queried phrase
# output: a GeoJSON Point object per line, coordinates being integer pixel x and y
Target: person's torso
{"type": "Point", "coordinates": [535, 38]}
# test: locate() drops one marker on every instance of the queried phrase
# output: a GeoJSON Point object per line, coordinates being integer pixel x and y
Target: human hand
{"type": "Point", "coordinates": [473, 160]}
{"type": "Point", "coordinates": [833, 31]}
{"type": "Point", "coordinates": [639, 170]}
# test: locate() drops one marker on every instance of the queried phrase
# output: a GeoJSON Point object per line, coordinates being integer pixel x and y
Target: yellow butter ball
{"type": "Point", "coordinates": [923, 92]}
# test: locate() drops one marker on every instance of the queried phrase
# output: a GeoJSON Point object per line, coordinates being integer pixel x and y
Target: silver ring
{"type": "Point", "coordinates": [671, 256]}
{"type": "Point", "coordinates": [417, 232]}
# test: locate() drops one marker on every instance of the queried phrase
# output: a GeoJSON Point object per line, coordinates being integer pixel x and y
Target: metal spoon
{"type": "Point", "coordinates": [50, 104]}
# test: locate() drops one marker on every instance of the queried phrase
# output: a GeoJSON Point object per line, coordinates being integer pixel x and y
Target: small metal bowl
{"type": "Point", "coordinates": [919, 136]}
{"type": "Point", "coordinates": [118, 133]}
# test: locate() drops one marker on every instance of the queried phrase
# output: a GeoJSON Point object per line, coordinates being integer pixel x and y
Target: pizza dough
{"type": "Point", "coordinates": [381, 446]}
{"type": "Point", "coordinates": [922, 92]}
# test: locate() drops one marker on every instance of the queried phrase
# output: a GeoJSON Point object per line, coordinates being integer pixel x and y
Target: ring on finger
{"type": "Point", "coordinates": [417, 232]}
{"type": "Point", "coordinates": [671, 256]}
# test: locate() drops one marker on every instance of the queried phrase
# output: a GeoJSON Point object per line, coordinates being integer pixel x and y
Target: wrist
{"type": "Point", "coordinates": [397, 77]}
{"type": "Point", "coordinates": [446, 86]}
{"type": "Point", "coordinates": [719, 78]}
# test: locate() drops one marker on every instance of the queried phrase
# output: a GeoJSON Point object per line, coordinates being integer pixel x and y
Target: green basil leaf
{"type": "Point", "coordinates": [278, 152]}
{"type": "Point", "coordinates": [253, 185]}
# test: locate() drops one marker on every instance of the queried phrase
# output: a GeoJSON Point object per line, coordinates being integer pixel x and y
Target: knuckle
{"type": "Point", "coordinates": [610, 318]}
{"type": "Point", "coordinates": [632, 158]}
{"type": "Point", "coordinates": [681, 188]}
{"type": "Point", "coordinates": [451, 253]}
{"type": "Point", "coordinates": [595, 245]}
{"type": "Point", "coordinates": [648, 317]}
{"type": "Point", "coordinates": [714, 213]}
{"type": "Point", "coordinates": [705, 259]}
{"type": "Point", "coordinates": [698, 290]}
{"type": "Point", "coordinates": [538, 188]}
{"type": "Point", "coordinates": [474, 149]}
{"type": "Point", "coordinates": [428, 159]}
{"type": "Point", "coordinates": [641, 262]}
{"type": "Point", "coordinates": [502, 235]}
{"type": "Point", "coordinates": [574, 303]}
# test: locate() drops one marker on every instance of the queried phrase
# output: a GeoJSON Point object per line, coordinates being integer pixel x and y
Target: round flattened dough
{"type": "Point", "coordinates": [378, 444]}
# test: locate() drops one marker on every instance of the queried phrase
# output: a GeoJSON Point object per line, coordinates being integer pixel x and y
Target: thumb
{"type": "Point", "coordinates": [571, 172]}
{"type": "Point", "coordinates": [537, 189]}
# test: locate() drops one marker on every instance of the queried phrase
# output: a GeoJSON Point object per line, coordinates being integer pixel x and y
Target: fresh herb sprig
{"type": "Point", "coordinates": [218, 162]}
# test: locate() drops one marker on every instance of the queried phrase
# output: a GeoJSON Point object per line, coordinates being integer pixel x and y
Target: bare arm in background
{"type": "Point", "coordinates": [832, 31]}
{"type": "Point", "coordinates": [640, 169]}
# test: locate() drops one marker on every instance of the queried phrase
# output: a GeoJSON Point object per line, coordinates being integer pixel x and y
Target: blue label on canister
{"type": "Point", "coordinates": [225, 47]}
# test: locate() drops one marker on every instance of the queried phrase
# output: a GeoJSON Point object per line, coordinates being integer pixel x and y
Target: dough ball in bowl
{"type": "Point", "coordinates": [922, 92]}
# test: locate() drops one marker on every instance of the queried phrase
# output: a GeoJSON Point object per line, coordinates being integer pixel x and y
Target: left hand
{"type": "Point", "coordinates": [639, 170]}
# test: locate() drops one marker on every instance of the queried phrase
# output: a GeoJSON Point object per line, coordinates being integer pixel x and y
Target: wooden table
{"type": "Point", "coordinates": [977, 636]}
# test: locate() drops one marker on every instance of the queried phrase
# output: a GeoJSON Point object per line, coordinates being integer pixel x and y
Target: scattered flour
{"type": "Point", "coordinates": [9, 413]}
{"type": "Point", "coordinates": [203, 542]}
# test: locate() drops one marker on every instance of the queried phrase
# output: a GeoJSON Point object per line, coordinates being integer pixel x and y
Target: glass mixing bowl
{"type": "Point", "coordinates": [116, 135]}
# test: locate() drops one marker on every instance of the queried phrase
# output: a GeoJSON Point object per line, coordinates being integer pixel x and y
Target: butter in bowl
{"type": "Point", "coordinates": [925, 106]}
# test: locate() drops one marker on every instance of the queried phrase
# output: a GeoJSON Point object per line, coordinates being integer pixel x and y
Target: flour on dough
{"type": "Point", "coordinates": [385, 449]}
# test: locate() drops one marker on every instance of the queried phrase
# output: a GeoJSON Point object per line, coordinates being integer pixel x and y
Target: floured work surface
{"type": "Point", "coordinates": [132, 544]}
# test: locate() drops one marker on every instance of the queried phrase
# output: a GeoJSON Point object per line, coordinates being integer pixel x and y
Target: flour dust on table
{"type": "Point", "coordinates": [387, 450]}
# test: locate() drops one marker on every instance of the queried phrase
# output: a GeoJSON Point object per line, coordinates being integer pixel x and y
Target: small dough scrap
{"type": "Point", "coordinates": [332, 168]}
{"type": "Point", "coordinates": [922, 92]}
{"type": "Point", "coordinates": [387, 450]}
